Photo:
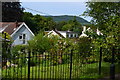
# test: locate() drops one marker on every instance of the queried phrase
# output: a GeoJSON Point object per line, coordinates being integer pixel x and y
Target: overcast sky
{"type": "Point", "coordinates": [56, 8]}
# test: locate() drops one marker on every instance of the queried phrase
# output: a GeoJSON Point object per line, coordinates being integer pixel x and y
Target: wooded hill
{"type": "Point", "coordinates": [67, 18]}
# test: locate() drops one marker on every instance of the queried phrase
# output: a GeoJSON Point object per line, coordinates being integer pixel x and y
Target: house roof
{"type": "Point", "coordinates": [9, 27]}
{"type": "Point", "coordinates": [59, 33]}
{"type": "Point", "coordinates": [17, 29]}
{"type": "Point", "coordinates": [49, 32]}
{"type": "Point", "coordinates": [12, 27]}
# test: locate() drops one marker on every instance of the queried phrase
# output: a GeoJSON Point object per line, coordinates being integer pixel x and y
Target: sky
{"type": "Point", "coordinates": [56, 8]}
{"type": "Point", "coordinates": [54, 0]}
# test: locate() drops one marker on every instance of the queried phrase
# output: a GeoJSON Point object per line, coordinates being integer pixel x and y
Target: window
{"type": "Point", "coordinates": [76, 35]}
{"type": "Point", "coordinates": [23, 37]}
{"type": "Point", "coordinates": [71, 35]}
{"type": "Point", "coordinates": [20, 37]}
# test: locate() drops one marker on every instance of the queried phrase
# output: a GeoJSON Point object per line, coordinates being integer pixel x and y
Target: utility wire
{"type": "Point", "coordinates": [37, 11]}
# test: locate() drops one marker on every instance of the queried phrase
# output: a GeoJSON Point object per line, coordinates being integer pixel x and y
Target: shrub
{"type": "Point", "coordinates": [19, 55]}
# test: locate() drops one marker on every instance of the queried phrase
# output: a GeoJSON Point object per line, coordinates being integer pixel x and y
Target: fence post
{"type": "Point", "coordinates": [28, 65]}
{"type": "Point", "coordinates": [100, 60]}
{"type": "Point", "coordinates": [71, 64]}
{"type": "Point", "coordinates": [112, 66]}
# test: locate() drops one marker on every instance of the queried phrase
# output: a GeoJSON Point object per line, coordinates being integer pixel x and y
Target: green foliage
{"type": "Point", "coordinates": [55, 47]}
{"type": "Point", "coordinates": [6, 45]}
{"type": "Point", "coordinates": [86, 50]}
{"type": "Point", "coordinates": [19, 54]}
{"type": "Point", "coordinates": [67, 18]}
{"type": "Point", "coordinates": [7, 36]}
{"type": "Point", "coordinates": [60, 24]}
{"type": "Point", "coordinates": [59, 50]}
{"type": "Point", "coordinates": [106, 18]}
{"type": "Point", "coordinates": [72, 25]}
{"type": "Point", "coordinates": [42, 23]}
{"type": "Point", "coordinates": [12, 11]}
{"type": "Point", "coordinates": [37, 22]}
{"type": "Point", "coordinates": [40, 44]}
{"type": "Point", "coordinates": [107, 13]}
{"type": "Point", "coordinates": [67, 27]}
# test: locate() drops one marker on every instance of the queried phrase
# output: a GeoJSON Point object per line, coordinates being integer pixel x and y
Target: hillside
{"type": "Point", "coordinates": [67, 18]}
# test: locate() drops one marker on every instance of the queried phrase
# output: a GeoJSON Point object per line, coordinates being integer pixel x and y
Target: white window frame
{"type": "Point", "coordinates": [21, 36]}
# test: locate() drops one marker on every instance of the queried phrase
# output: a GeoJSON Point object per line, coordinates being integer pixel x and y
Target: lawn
{"type": "Point", "coordinates": [59, 71]}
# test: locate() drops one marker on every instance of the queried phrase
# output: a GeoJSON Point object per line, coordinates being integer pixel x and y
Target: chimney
{"type": "Point", "coordinates": [84, 29]}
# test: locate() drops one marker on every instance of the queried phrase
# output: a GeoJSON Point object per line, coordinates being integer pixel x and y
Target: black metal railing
{"type": "Point", "coordinates": [66, 66]}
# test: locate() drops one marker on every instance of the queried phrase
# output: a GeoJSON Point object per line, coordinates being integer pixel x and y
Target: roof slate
{"type": "Point", "coordinates": [9, 27]}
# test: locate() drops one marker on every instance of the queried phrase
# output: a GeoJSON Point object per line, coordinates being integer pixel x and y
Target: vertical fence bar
{"type": "Point", "coordinates": [71, 64]}
{"type": "Point", "coordinates": [5, 46]}
{"type": "Point", "coordinates": [100, 61]}
{"type": "Point", "coordinates": [28, 65]}
{"type": "Point", "coordinates": [112, 66]}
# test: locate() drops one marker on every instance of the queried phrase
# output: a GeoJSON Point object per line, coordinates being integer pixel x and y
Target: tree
{"type": "Point", "coordinates": [77, 27]}
{"type": "Point", "coordinates": [38, 23]}
{"type": "Point", "coordinates": [40, 43]}
{"type": "Point", "coordinates": [102, 12]}
{"type": "Point", "coordinates": [6, 46]}
{"type": "Point", "coordinates": [60, 24]}
{"type": "Point", "coordinates": [106, 18]}
{"type": "Point", "coordinates": [12, 11]}
{"type": "Point", "coordinates": [67, 27]}
{"type": "Point", "coordinates": [72, 25]}
{"type": "Point", "coordinates": [32, 23]}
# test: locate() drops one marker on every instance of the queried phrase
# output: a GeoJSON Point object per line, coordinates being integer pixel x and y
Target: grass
{"type": "Point", "coordinates": [59, 71]}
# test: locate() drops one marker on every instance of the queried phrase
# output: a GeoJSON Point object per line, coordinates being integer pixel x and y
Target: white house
{"type": "Point", "coordinates": [62, 34]}
{"type": "Point", "coordinates": [19, 32]}
{"type": "Point", "coordinates": [89, 29]}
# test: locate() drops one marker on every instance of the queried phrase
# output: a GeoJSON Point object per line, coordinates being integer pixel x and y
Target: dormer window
{"type": "Point", "coordinates": [23, 38]}
{"type": "Point", "coordinates": [20, 37]}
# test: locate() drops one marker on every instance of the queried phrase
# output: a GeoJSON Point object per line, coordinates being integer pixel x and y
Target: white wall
{"type": "Point", "coordinates": [22, 30]}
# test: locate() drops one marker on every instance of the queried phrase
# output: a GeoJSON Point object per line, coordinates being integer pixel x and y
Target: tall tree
{"type": "Point", "coordinates": [37, 22]}
{"type": "Point", "coordinates": [106, 16]}
{"type": "Point", "coordinates": [72, 25]}
{"type": "Point", "coordinates": [12, 11]}
{"type": "Point", "coordinates": [103, 12]}
{"type": "Point", "coordinates": [60, 24]}
{"type": "Point", "coordinates": [29, 20]}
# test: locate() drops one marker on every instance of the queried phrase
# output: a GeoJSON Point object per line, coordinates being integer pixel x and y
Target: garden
{"type": "Point", "coordinates": [55, 57]}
